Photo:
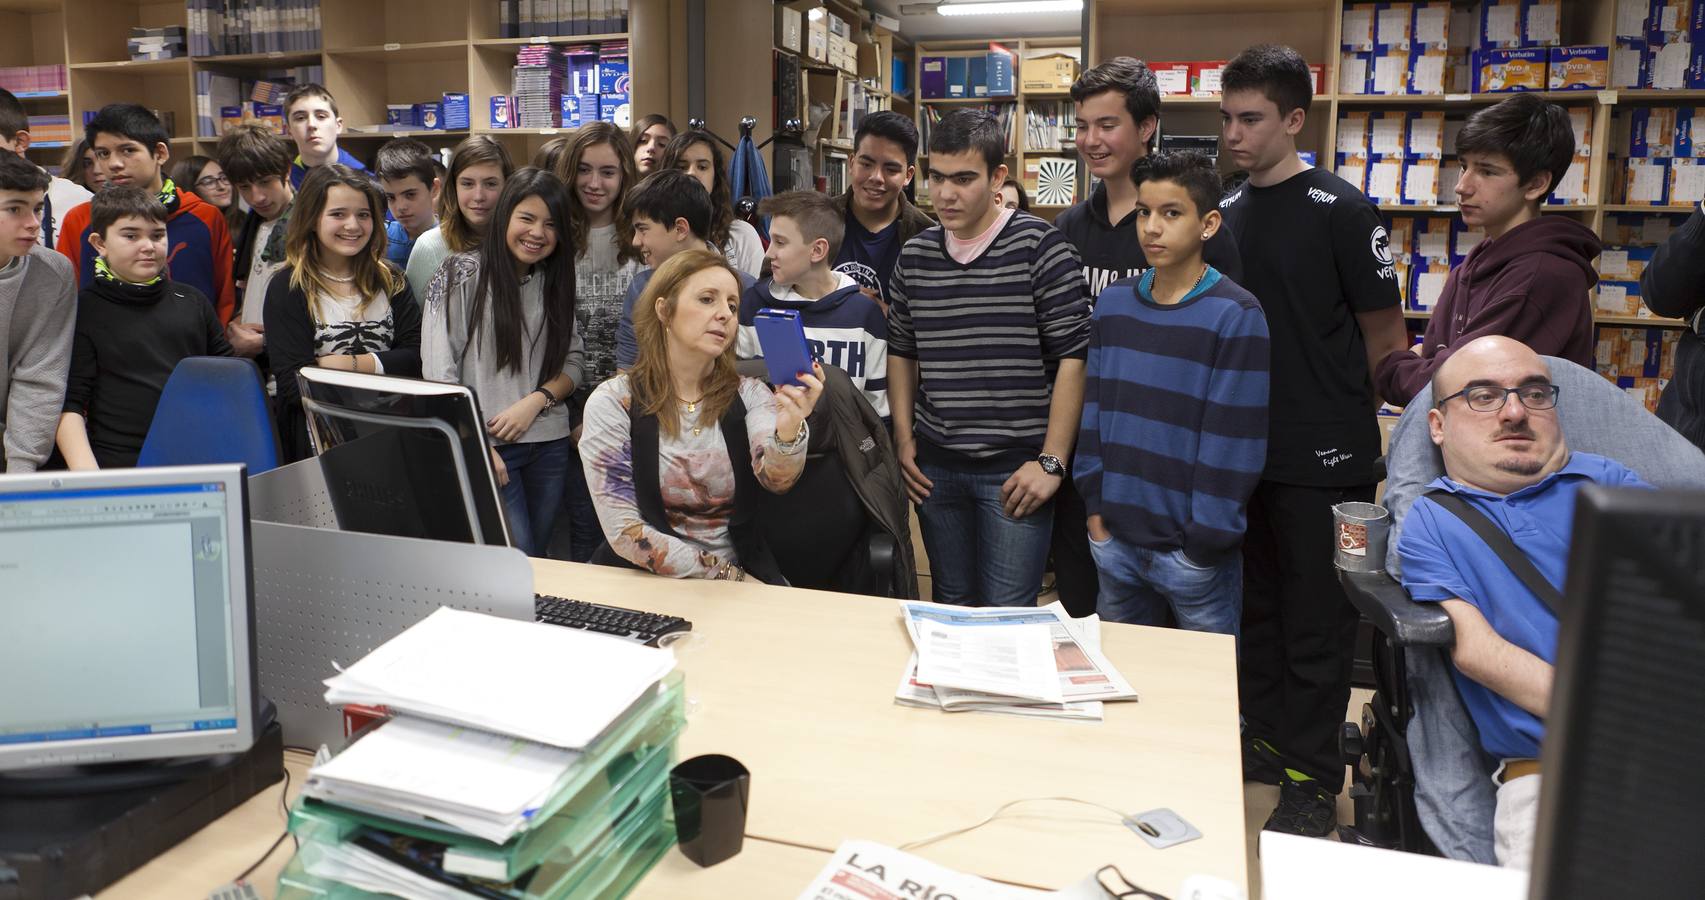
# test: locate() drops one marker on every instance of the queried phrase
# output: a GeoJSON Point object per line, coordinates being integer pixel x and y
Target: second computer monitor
{"type": "Point", "coordinates": [404, 457]}
{"type": "Point", "coordinates": [1622, 804]}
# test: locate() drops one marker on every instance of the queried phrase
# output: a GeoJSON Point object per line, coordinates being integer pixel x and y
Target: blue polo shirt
{"type": "Point", "coordinates": [397, 242]}
{"type": "Point", "coordinates": [1443, 560]}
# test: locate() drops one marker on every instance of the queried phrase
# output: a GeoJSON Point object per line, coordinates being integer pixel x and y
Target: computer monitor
{"type": "Point", "coordinates": [404, 457]}
{"type": "Point", "coordinates": [126, 616]}
{"type": "Point", "coordinates": [1622, 804]}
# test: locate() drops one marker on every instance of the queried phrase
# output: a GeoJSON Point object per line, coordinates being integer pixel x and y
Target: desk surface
{"type": "Point", "coordinates": [799, 686]}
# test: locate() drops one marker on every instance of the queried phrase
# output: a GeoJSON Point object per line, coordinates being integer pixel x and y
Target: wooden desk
{"type": "Point", "coordinates": [799, 686]}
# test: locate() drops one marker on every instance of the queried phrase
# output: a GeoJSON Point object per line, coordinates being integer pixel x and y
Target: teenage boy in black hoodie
{"type": "Point", "coordinates": [1118, 114]}
{"type": "Point", "coordinates": [134, 325]}
{"type": "Point", "coordinates": [1529, 278]}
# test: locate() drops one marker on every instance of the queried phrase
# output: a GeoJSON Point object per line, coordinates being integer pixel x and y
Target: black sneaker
{"type": "Point", "coordinates": [1261, 762]}
{"type": "Point", "coordinates": [1304, 808]}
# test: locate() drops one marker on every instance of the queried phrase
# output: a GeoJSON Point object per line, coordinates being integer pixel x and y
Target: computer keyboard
{"type": "Point", "coordinates": [630, 624]}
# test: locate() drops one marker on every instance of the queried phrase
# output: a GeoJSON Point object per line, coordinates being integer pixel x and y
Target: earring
{"type": "Point", "coordinates": [1204, 235]}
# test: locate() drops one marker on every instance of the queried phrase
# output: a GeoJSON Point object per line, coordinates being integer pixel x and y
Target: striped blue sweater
{"type": "Point", "coordinates": [988, 337]}
{"type": "Point", "coordinates": [1174, 431]}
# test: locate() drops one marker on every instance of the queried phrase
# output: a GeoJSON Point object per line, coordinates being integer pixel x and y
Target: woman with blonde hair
{"type": "Point", "coordinates": [478, 168]}
{"type": "Point", "coordinates": [676, 448]}
{"type": "Point", "coordinates": [342, 306]}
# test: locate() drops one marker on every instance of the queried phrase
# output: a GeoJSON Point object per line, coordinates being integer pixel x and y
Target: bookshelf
{"type": "Point", "coordinates": [373, 53]}
{"type": "Point", "coordinates": [32, 33]}
{"type": "Point", "coordinates": [1018, 150]}
{"type": "Point", "coordinates": [868, 88]}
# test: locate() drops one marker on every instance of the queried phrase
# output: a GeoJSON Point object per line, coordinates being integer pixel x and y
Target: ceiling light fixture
{"type": "Point", "coordinates": [996, 8]}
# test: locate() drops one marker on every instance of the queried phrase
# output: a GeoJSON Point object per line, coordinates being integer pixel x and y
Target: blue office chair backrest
{"type": "Point", "coordinates": [213, 410]}
{"type": "Point", "coordinates": [1453, 794]}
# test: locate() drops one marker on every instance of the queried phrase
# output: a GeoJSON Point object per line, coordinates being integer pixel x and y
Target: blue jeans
{"type": "Point", "coordinates": [534, 492]}
{"type": "Point", "coordinates": [978, 555]}
{"type": "Point", "coordinates": [585, 535]}
{"type": "Point", "coordinates": [1139, 585]}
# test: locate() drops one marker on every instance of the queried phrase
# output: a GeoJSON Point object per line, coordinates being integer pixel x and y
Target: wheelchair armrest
{"type": "Point", "coordinates": [1387, 605]}
{"type": "Point", "coordinates": [882, 549]}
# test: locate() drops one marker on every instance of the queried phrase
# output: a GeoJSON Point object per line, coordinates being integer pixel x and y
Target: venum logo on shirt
{"type": "Point", "coordinates": [1331, 457]}
{"type": "Point", "coordinates": [1227, 202]}
{"type": "Point", "coordinates": [1380, 243]}
{"type": "Point", "coordinates": [1322, 197]}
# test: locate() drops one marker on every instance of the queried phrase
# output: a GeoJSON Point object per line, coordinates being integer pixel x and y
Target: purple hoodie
{"type": "Point", "coordinates": [1530, 284]}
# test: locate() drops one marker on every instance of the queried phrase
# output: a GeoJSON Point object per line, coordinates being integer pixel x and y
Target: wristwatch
{"type": "Point", "coordinates": [1051, 464]}
{"type": "Point", "coordinates": [550, 398]}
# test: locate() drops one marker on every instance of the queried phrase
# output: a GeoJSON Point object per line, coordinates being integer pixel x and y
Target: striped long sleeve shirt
{"type": "Point", "coordinates": [1174, 431]}
{"type": "Point", "coordinates": [987, 337]}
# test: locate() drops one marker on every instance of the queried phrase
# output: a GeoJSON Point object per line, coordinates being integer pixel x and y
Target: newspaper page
{"type": "Point", "coordinates": [866, 870]}
{"type": "Point", "coordinates": [1084, 672]}
{"type": "Point", "coordinates": [913, 692]}
{"type": "Point", "coordinates": [1015, 661]}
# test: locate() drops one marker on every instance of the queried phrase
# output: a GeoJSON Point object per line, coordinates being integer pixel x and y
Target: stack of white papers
{"type": "Point", "coordinates": [552, 685]}
{"type": "Point", "coordinates": [1012, 660]}
{"type": "Point", "coordinates": [446, 776]}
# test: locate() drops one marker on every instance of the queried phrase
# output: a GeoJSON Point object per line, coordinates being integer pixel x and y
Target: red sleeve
{"type": "Point", "coordinates": [71, 243]}
{"type": "Point", "coordinates": [223, 262]}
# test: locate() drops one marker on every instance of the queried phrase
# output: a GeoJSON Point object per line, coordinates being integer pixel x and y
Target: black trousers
{"type": "Point", "coordinates": [1075, 576]}
{"type": "Point", "coordinates": [1299, 629]}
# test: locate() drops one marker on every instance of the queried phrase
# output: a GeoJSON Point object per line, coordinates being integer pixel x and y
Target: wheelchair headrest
{"type": "Point", "coordinates": [1596, 417]}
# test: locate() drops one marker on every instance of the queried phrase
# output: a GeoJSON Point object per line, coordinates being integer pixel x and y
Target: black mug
{"type": "Point", "coordinates": [709, 793]}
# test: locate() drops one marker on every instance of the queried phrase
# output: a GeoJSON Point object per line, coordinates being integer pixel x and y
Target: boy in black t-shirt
{"type": "Point", "coordinates": [1317, 255]}
{"type": "Point", "coordinates": [1117, 104]}
{"type": "Point", "coordinates": [879, 218]}
{"type": "Point", "coordinates": [134, 325]}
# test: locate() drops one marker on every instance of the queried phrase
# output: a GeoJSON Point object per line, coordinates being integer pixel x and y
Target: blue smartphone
{"type": "Point", "coordinates": [781, 334]}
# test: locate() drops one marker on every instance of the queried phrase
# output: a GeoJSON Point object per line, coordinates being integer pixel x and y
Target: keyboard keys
{"type": "Point", "coordinates": [632, 624]}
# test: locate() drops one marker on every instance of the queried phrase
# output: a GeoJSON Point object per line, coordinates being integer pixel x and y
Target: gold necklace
{"type": "Point", "coordinates": [693, 406]}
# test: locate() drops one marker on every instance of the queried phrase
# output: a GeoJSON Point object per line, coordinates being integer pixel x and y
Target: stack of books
{"type": "Point", "coordinates": [164, 42]}
{"type": "Point", "coordinates": [537, 83]}
{"type": "Point", "coordinates": [33, 79]}
{"type": "Point", "coordinates": [225, 100]}
{"type": "Point", "coordinates": [50, 129]}
{"type": "Point", "coordinates": [491, 779]}
{"type": "Point", "coordinates": [223, 27]}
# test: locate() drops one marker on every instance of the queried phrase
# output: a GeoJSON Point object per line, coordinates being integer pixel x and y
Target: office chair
{"type": "Point", "coordinates": [1419, 778]}
{"type": "Point", "coordinates": [213, 410]}
{"type": "Point", "coordinates": [862, 518]}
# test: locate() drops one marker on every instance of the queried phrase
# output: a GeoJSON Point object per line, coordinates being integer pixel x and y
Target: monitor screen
{"type": "Point", "coordinates": [404, 457]}
{"type": "Point", "coordinates": [125, 598]}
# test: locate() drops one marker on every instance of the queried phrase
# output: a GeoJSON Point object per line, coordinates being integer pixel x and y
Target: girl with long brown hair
{"type": "Point", "coordinates": [342, 305]}
{"type": "Point", "coordinates": [478, 168]}
{"type": "Point", "coordinates": [675, 448]}
{"type": "Point", "coordinates": [597, 166]}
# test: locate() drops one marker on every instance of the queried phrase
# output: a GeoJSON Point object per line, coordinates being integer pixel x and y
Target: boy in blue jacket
{"type": "Point", "coordinates": [844, 326]}
{"type": "Point", "coordinates": [1174, 429]}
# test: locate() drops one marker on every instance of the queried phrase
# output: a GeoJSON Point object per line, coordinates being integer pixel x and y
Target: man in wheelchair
{"type": "Point", "coordinates": [1489, 542]}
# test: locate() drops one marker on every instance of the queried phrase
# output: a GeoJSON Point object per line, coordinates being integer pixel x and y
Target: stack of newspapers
{"type": "Point", "coordinates": [520, 760]}
{"type": "Point", "coordinates": [1025, 661]}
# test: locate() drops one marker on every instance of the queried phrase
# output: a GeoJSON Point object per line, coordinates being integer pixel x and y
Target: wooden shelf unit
{"type": "Point", "coordinates": [1184, 30]}
{"type": "Point", "coordinates": [375, 52]}
{"type": "Point", "coordinates": [1017, 152]}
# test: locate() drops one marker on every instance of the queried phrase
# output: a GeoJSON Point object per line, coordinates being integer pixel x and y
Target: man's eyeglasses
{"type": "Point", "coordinates": [1491, 398]}
{"type": "Point", "coordinates": [211, 181]}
